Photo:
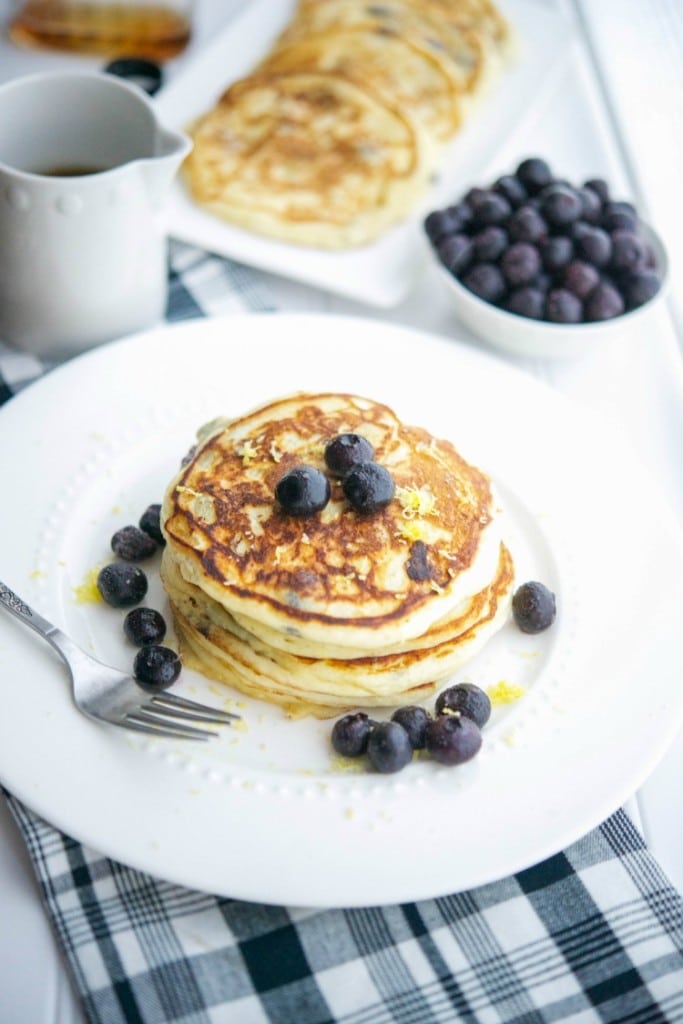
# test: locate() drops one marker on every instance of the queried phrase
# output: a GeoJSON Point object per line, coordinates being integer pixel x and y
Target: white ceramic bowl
{"type": "Point", "coordinates": [522, 336]}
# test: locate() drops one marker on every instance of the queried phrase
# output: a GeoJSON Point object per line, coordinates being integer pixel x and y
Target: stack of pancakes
{"type": "Point", "coordinates": [334, 136]}
{"type": "Point", "coordinates": [336, 609]}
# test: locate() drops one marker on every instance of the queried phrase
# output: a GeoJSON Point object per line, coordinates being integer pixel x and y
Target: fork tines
{"type": "Point", "coordinates": [165, 714]}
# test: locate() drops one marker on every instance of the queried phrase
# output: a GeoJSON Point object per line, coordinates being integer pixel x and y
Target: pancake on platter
{"type": "Point", "coordinates": [459, 51]}
{"type": "Point", "coordinates": [307, 157]}
{"type": "Point", "coordinates": [337, 608]}
{"type": "Point", "coordinates": [387, 66]}
{"type": "Point", "coordinates": [334, 137]}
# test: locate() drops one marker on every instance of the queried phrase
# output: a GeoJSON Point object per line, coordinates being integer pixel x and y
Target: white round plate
{"type": "Point", "coordinates": [265, 813]}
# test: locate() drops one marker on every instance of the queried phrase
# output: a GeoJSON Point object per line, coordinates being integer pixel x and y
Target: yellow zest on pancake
{"type": "Point", "coordinates": [416, 501]}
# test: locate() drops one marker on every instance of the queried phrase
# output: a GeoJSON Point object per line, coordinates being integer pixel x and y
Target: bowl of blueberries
{"type": "Point", "coordinates": [543, 268]}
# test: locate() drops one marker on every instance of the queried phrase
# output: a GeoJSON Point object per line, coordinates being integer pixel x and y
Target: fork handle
{"type": "Point", "coordinates": [14, 604]}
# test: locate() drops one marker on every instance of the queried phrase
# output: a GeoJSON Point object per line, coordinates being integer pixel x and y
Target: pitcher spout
{"type": "Point", "coordinates": [160, 170]}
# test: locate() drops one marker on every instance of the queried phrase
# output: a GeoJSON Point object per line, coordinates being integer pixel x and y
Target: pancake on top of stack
{"type": "Point", "coordinates": [336, 133]}
{"type": "Point", "coordinates": [335, 609]}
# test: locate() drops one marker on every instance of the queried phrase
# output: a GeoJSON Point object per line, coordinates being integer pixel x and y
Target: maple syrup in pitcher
{"type": "Point", "coordinates": [156, 30]}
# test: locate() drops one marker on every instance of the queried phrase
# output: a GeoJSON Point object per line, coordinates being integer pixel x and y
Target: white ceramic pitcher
{"type": "Point", "coordinates": [84, 171]}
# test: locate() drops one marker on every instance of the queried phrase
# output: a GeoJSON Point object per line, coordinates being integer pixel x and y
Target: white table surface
{"type": "Point", "coordinates": [601, 117]}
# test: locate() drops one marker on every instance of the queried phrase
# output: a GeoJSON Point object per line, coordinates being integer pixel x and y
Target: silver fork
{"type": "Point", "coordinates": [105, 694]}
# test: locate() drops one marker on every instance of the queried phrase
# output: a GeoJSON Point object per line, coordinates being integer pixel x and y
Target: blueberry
{"type": "Point", "coordinates": [617, 220]}
{"type": "Point", "coordinates": [486, 281]}
{"type": "Point", "coordinates": [527, 301]}
{"type": "Point", "coordinates": [346, 450]}
{"type": "Point", "coordinates": [150, 522]}
{"type": "Point", "coordinates": [600, 187]}
{"type": "Point", "coordinates": [628, 251]}
{"type": "Point", "coordinates": [389, 747]}
{"type": "Point", "coordinates": [368, 487]}
{"type": "Point", "coordinates": [534, 173]}
{"type": "Point", "coordinates": [556, 252]}
{"type": "Point", "coordinates": [489, 243]}
{"type": "Point", "coordinates": [595, 246]}
{"type": "Point", "coordinates": [533, 607]}
{"type": "Point", "coordinates": [303, 491]}
{"type": "Point", "coordinates": [526, 225]}
{"type": "Point", "coordinates": [414, 720]}
{"type": "Point", "coordinates": [492, 208]}
{"type": "Point", "coordinates": [474, 196]}
{"type": "Point", "coordinates": [520, 263]}
{"type": "Point", "coordinates": [562, 307]}
{"type": "Point", "coordinates": [460, 213]}
{"type": "Point", "coordinates": [133, 544]}
{"type": "Point", "coordinates": [156, 667]}
{"type": "Point", "coordinates": [580, 278]}
{"type": "Point", "coordinates": [591, 204]}
{"type": "Point", "coordinates": [144, 626]}
{"type": "Point", "coordinates": [455, 252]}
{"type": "Point", "coordinates": [560, 205]}
{"type": "Point", "coordinates": [441, 223]}
{"type": "Point", "coordinates": [641, 288]}
{"type": "Point", "coordinates": [604, 303]}
{"type": "Point", "coordinates": [512, 189]}
{"type": "Point", "coordinates": [350, 734]}
{"type": "Point", "coordinates": [468, 699]}
{"type": "Point", "coordinates": [121, 584]}
{"type": "Point", "coordinates": [453, 739]}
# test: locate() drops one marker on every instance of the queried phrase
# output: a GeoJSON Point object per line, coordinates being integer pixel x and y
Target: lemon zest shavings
{"type": "Point", "coordinates": [416, 501]}
{"type": "Point", "coordinates": [504, 693]}
{"type": "Point", "coordinates": [87, 592]}
{"type": "Point", "coordinates": [247, 451]}
{"type": "Point", "coordinates": [411, 530]}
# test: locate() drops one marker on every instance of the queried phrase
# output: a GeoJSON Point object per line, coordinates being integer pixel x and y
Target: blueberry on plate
{"type": "Point", "coordinates": [302, 491]}
{"type": "Point", "coordinates": [389, 747]}
{"type": "Point", "coordinates": [156, 667]}
{"type": "Point", "coordinates": [121, 584]}
{"type": "Point", "coordinates": [144, 626]}
{"type": "Point", "coordinates": [414, 720]}
{"type": "Point", "coordinates": [133, 544]}
{"type": "Point", "coordinates": [150, 522]}
{"type": "Point", "coordinates": [350, 734]}
{"type": "Point", "coordinates": [533, 607]}
{"type": "Point", "coordinates": [453, 739]}
{"type": "Point", "coordinates": [368, 487]}
{"type": "Point", "coordinates": [468, 699]}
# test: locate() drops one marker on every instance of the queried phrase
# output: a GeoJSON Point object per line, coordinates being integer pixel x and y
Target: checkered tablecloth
{"type": "Point", "coordinates": [593, 934]}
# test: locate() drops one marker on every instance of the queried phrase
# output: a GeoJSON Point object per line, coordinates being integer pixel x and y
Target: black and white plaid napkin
{"type": "Point", "coordinates": [593, 935]}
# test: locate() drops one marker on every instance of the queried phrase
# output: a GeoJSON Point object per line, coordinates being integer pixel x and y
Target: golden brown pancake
{"type": "Point", "coordinates": [308, 157]}
{"type": "Point", "coordinates": [336, 577]}
{"type": "Point", "coordinates": [337, 133]}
